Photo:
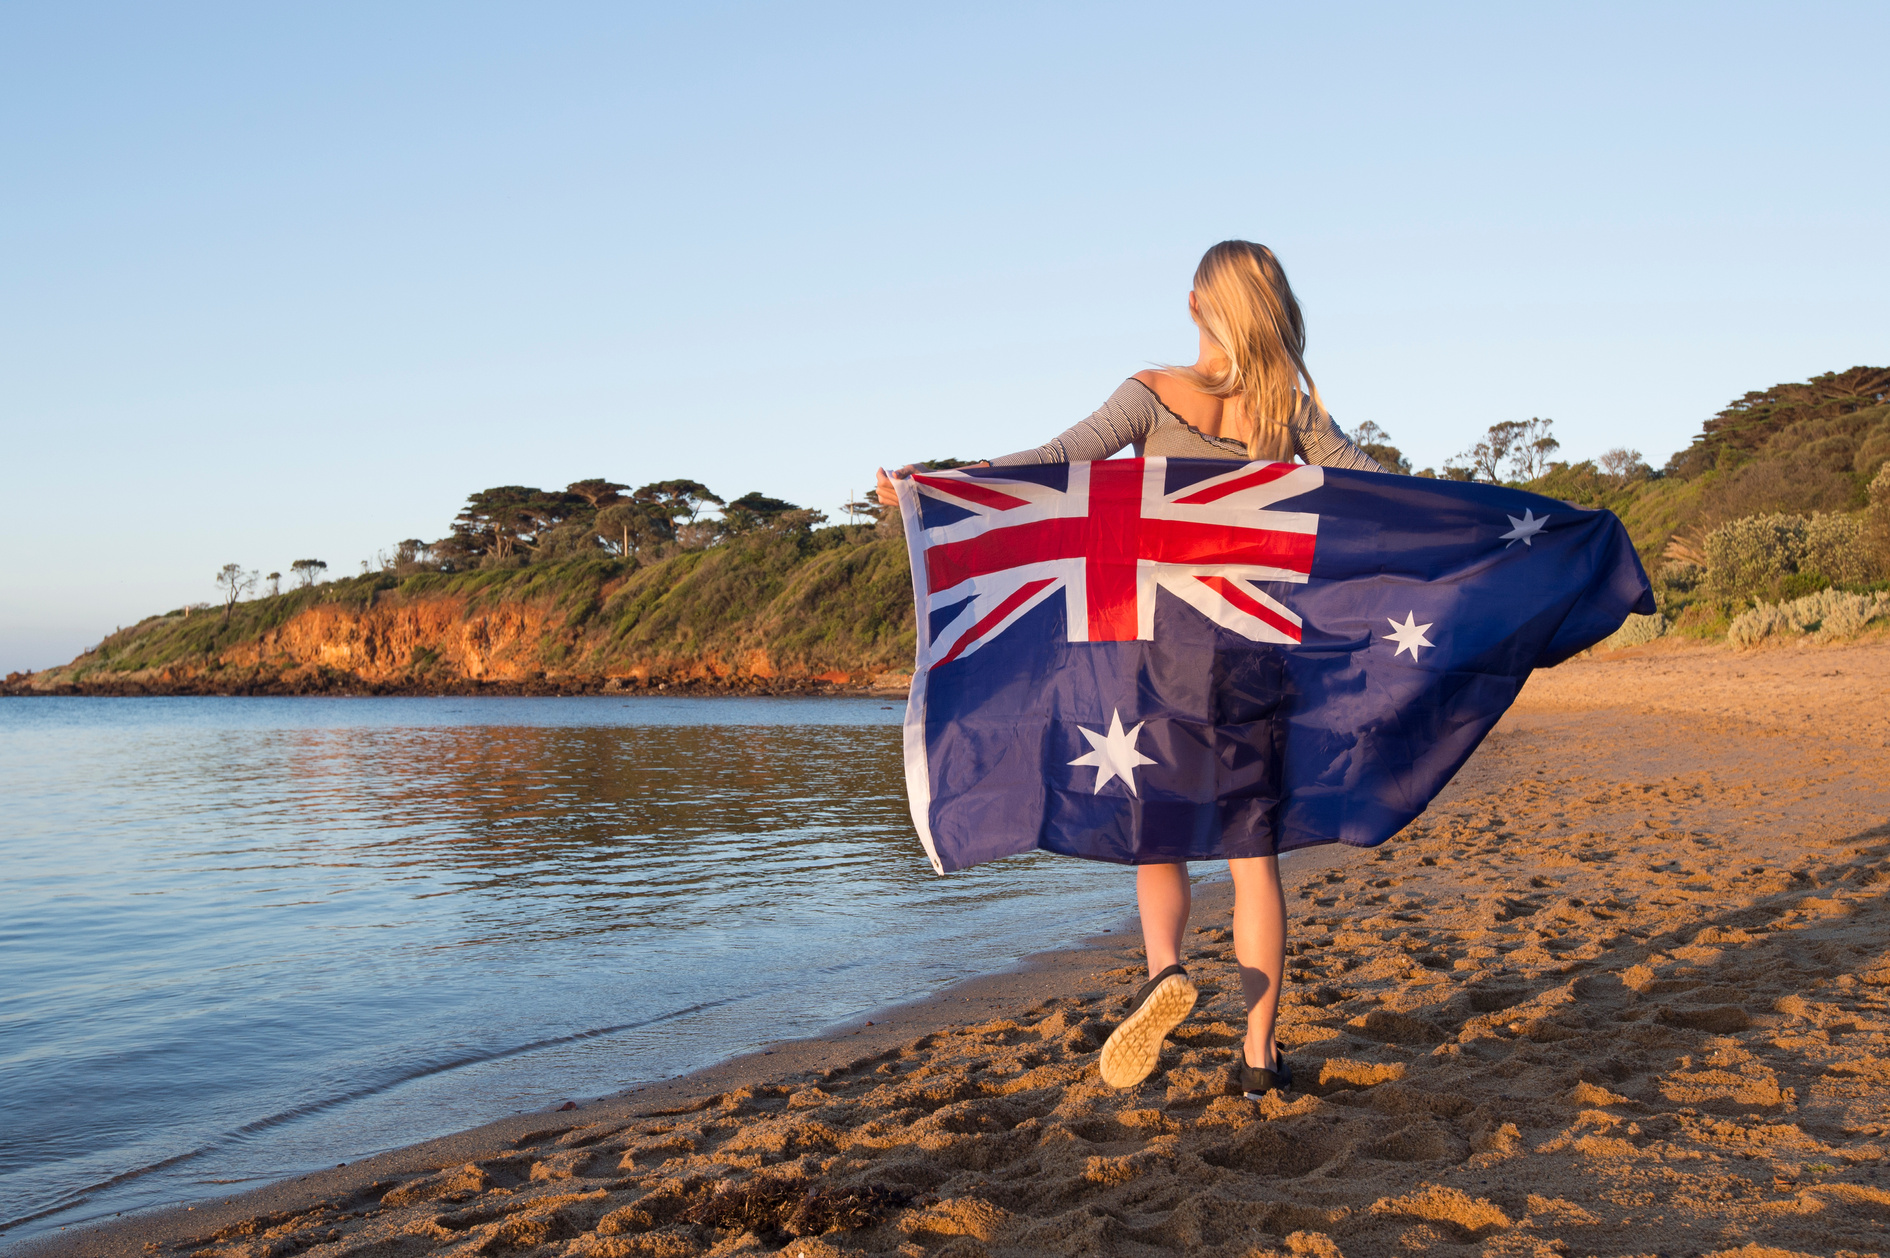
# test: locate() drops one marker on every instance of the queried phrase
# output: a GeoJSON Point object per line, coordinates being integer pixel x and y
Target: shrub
{"type": "Point", "coordinates": [1635, 631]}
{"type": "Point", "coordinates": [1800, 585]}
{"type": "Point", "coordinates": [1831, 614]}
{"type": "Point", "coordinates": [1834, 549]}
{"type": "Point", "coordinates": [1753, 627]}
{"type": "Point", "coordinates": [1796, 486]}
{"type": "Point", "coordinates": [1680, 576]}
{"type": "Point", "coordinates": [1876, 528]}
{"type": "Point", "coordinates": [1753, 555]}
{"type": "Point", "coordinates": [1702, 620]}
{"type": "Point", "coordinates": [1847, 619]}
{"type": "Point", "coordinates": [1784, 557]}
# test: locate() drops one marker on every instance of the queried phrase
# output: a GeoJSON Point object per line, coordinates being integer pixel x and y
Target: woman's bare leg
{"type": "Point", "coordinates": [1260, 948]}
{"type": "Point", "coordinates": [1161, 892]}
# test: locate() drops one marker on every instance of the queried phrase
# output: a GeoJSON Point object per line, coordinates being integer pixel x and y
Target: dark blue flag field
{"type": "Point", "coordinates": [1145, 660]}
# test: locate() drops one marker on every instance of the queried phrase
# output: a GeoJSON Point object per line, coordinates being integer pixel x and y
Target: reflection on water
{"type": "Point", "coordinates": [248, 937]}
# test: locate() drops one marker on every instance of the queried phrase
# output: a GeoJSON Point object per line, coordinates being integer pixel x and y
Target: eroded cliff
{"type": "Point", "coordinates": [767, 613]}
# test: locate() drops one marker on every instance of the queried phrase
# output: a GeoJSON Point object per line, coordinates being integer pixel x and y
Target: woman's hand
{"type": "Point", "coordinates": [888, 496]}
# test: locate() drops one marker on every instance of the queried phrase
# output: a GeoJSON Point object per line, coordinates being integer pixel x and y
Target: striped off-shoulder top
{"type": "Point", "coordinates": [1133, 415]}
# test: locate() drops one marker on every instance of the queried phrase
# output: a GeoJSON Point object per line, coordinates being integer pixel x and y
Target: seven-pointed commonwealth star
{"type": "Point", "coordinates": [1114, 753]}
{"type": "Point", "coordinates": [1409, 636]}
{"type": "Point", "coordinates": [1526, 528]}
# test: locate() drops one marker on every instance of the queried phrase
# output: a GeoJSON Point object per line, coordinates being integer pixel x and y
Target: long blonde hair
{"type": "Point", "coordinates": [1247, 308]}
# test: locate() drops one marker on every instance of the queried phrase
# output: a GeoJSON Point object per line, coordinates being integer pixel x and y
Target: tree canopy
{"type": "Point", "coordinates": [1742, 428]}
{"type": "Point", "coordinates": [596, 491]}
{"type": "Point", "coordinates": [678, 501]}
{"type": "Point", "coordinates": [1376, 442]}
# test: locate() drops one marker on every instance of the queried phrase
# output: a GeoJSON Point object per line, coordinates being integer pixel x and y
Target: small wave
{"type": "Point", "coordinates": [78, 1196]}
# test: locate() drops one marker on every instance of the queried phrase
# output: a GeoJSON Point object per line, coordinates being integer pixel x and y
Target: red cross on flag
{"type": "Point", "coordinates": [1110, 540]}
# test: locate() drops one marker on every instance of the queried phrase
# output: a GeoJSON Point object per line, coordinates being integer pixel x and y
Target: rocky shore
{"type": "Point", "coordinates": [320, 682]}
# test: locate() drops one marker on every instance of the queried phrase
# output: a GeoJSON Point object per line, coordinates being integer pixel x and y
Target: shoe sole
{"type": "Point", "coordinates": [1132, 1050]}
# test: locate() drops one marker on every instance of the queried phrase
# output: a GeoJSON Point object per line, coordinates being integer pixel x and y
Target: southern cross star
{"type": "Point", "coordinates": [1409, 636]}
{"type": "Point", "coordinates": [1526, 528]}
{"type": "Point", "coordinates": [1113, 754]}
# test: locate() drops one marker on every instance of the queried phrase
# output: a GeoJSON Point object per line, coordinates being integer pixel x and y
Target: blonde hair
{"type": "Point", "coordinates": [1246, 307]}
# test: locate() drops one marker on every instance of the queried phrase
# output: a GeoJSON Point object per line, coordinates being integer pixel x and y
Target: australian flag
{"type": "Point", "coordinates": [1150, 660]}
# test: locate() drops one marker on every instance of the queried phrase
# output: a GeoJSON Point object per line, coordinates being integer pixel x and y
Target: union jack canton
{"type": "Point", "coordinates": [1145, 660]}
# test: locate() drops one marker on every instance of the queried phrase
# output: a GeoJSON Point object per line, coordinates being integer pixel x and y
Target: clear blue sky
{"type": "Point", "coordinates": [291, 280]}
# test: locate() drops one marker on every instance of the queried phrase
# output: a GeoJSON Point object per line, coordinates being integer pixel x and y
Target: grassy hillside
{"type": "Point", "coordinates": [1794, 448]}
{"type": "Point", "coordinates": [1774, 520]}
{"type": "Point", "coordinates": [767, 609]}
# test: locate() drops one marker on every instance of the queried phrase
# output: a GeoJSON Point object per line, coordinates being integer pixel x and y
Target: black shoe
{"type": "Point", "coordinates": [1256, 1083]}
{"type": "Point", "coordinates": [1132, 1049]}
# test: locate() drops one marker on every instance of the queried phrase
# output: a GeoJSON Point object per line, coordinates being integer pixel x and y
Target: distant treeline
{"type": "Point", "coordinates": [509, 526]}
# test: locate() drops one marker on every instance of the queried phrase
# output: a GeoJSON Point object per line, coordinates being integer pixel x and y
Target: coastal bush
{"type": "Point", "coordinates": [1778, 486]}
{"type": "Point", "coordinates": [1834, 549]}
{"type": "Point", "coordinates": [1876, 529]}
{"type": "Point", "coordinates": [1752, 555]}
{"type": "Point", "coordinates": [1784, 557]}
{"type": "Point", "coordinates": [1635, 631]}
{"type": "Point", "coordinates": [1800, 585]}
{"type": "Point", "coordinates": [1680, 577]}
{"type": "Point", "coordinates": [1752, 627]}
{"type": "Point", "coordinates": [1676, 585]}
{"type": "Point", "coordinates": [1831, 614]}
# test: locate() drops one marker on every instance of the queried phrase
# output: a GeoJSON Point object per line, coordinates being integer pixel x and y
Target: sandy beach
{"type": "Point", "coordinates": [1624, 989]}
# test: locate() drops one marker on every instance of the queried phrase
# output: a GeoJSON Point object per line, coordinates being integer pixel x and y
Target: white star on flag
{"type": "Point", "coordinates": [1526, 528]}
{"type": "Point", "coordinates": [1114, 753]}
{"type": "Point", "coordinates": [1409, 636]}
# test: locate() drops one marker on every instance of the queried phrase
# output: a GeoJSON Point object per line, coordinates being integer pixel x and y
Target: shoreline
{"type": "Point", "coordinates": [857, 683]}
{"type": "Point", "coordinates": [735, 687]}
{"type": "Point", "coordinates": [1625, 987]}
{"type": "Point", "coordinates": [1031, 978]}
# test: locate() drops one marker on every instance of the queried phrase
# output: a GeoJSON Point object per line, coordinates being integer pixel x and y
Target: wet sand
{"type": "Point", "coordinates": [1624, 989]}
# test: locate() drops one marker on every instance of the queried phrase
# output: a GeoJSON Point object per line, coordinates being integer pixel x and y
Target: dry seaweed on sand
{"type": "Point", "coordinates": [768, 1204]}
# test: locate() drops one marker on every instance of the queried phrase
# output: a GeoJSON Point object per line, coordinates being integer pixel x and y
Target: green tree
{"type": "Point", "coordinates": [634, 527]}
{"type": "Point", "coordinates": [308, 571]}
{"type": "Point", "coordinates": [1745, 427]}
{"type": "Point", "coordinates": [756, 511]}
{"type": "Point", "coordinates": [599, 493]}
{"type": "Point", "coordinates": [411, 555]}
{"type": "Point", "coordinates": [678, 501]}
{"type": "Point", "coordinates": [1376, 442]}
{"type": "Point", "coordinates": [507, 518]}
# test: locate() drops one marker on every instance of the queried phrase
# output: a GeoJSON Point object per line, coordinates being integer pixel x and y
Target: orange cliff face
{"type": "Point", "coordinates": [730, 619]}
{"type": "Point", "coordinates": [442, 643]}
{"type": "Point", "coordinates": [503, 643]}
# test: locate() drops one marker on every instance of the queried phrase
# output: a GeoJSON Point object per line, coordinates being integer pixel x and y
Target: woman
{"type": "Point", "coordinates": [1241, 399]}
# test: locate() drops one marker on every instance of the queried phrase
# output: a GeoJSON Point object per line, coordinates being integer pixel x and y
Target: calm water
{"type": "Point", "coordinates": [244, 938]}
